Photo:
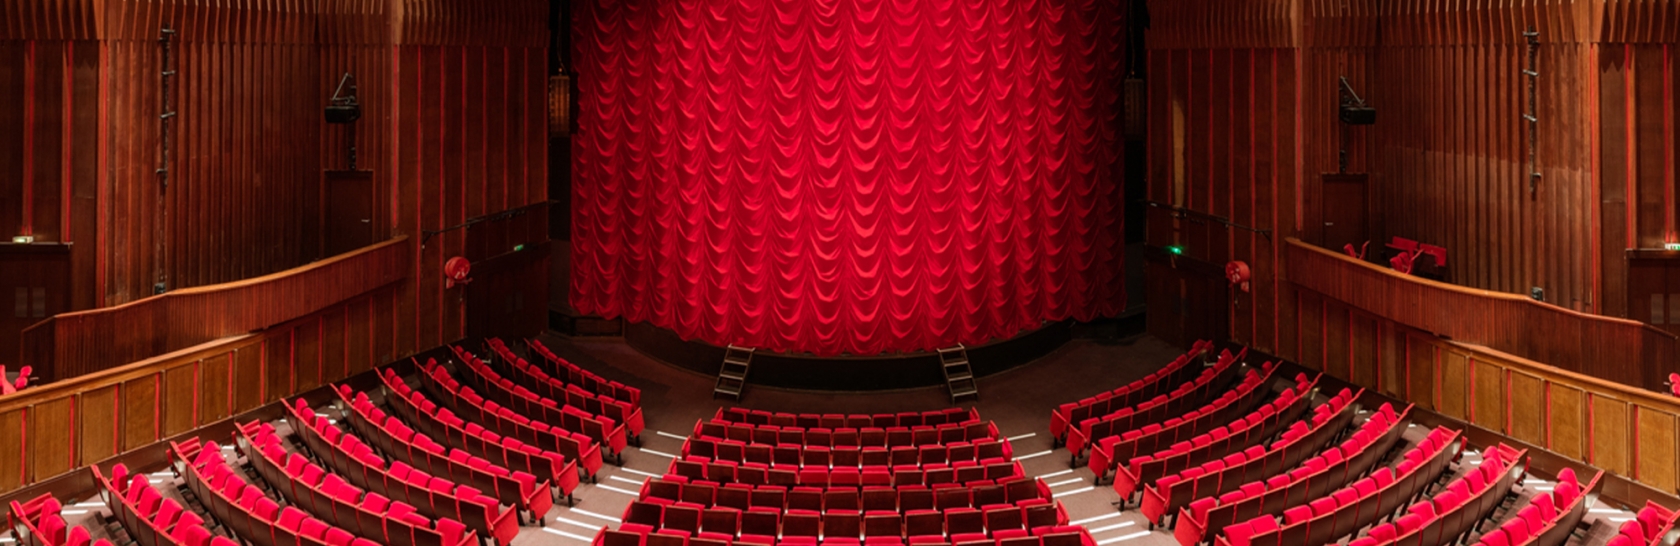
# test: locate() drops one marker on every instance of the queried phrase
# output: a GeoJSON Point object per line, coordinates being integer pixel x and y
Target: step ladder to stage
{"type": "Point", "coordinates": [959, 376]}
{"type": "Point", "coordinates": [732, 376]}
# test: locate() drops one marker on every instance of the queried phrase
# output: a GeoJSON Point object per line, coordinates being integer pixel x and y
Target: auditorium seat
{"type": "Point", "coordinates": [1473, 497]}
{"type": "Point", "coordinates": [611, 434]}
{"type": "Point", "coordinates": [588, 380]}
{"type": "Point", "coordinates": [556, 387]}
{"type": "Point", "coordinates": [433, 496]}
{"type": "Point", "coordinates": [1148, 416]}
{"type": "Point", "coordinates": [1230, 404]}
{"type": "Point", "coordinates": [1287, 485]}
{"type": "Point", "coordinates": [460, 401]}
{"type": "Point", "coordinates": [1156, 383]}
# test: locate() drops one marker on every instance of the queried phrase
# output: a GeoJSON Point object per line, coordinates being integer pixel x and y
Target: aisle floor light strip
{"type": "Point", "coordinates": [1065, 482]}
{"type": "Point", "coordinates": [1113, 527]}
{"type": "Point", "coordinates": [596, 516]}
{"type": "Point", "coordinates": [669, 435]}
{"type": "Point", "coordinates": [578, 523]}
{"type": "Point", "coordinates": [617, 490]}
{"type": "Point", "coordinates": [568, 535]}
{"type": "Point", "coordinates": [1107, 541]}
{"type": "Point", "coordinates": [625, 480]}
{"type": "Point", "coordinates": [1085, 489]}
{"type": "Point", "coordinates": [1095, 518]}
{"type": "Point", "coordinates": [1056, 473]}
{"type": "Point", "coordinates": [659, 453]}
{"type": "Point", "coordinates": [1031, 455]}
{"type": "Point", "coordinates": [639, 473]}
{"type": "Point", "coordinates": [1022, 437]}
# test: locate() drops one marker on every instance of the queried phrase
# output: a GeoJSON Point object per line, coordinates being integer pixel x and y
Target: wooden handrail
{"type": "Point", "coordinates": [1590, 344]}
{"type": "Point", "coordinates": [82, 342]}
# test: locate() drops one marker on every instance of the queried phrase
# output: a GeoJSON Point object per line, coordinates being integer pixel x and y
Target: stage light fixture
{"type": "Point", "coordinates": [1354, 111]}
{"type": "Point", "coordinates": [23, 239]}
{"type": "Point", "coordinates": [343, 108]}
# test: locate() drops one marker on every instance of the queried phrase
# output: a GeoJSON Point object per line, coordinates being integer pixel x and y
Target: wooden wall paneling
{"type": "Point", "coordinates": [307, 362]}
{"type": "Point", "coordinates": [96, 429]}
{"type": "Point", "coordinates": [409, 168]}
{"type": "Point", "coordinates": [431, 102]}
{"type": "Point", "coordinates": [1614, 172]}
{"type": "Point", "coordinates": [1650, 172]}
{"type": "Point", "coordinates": [500, 137]}
{"type": "Point", "coordinates": [1244, 314]}
{"type": "Point", "coordinates": [359, 336]}
{"type": "Point", "coordinates": [1271, 326]}
{"type": "Point", "coordinates": [1526, 407]}
{"type": "Point", "coordinates": [249, 378]}
{"type": "Point", "coordinates": [1566, 421]}
{"type": "Point", "coordinates": [14, 64]}
{"type": "Point", "coordinates": [1367, 358]}
{"type": "Point", "coordinates": [47, 126]}
{"type": "Point", "coordinates": [475, 125]}
{"type": "Point", "coordinates": [1218, 135]}
{"type": "Point", "coordinates": [52, 447]}
{"type": "Point", "coordinates": [215, 390]}
{"type": "Point", "coordinates": [12, 454]}
{"type": "Point", "coordinates": [1609, 440]}
{"type": "Point", "coordinates": [1488, 395]}
{"type": "Point", "coordinates": [84, 158]}
{"type": "Point", "coordinates": [1338, 341]}
{"type": "Point", "coordinates": [278, 365]}
{"type": "Point", "coordinates": [1311, 329]}
{"type": "Point", "coordinates": [180, 398]}
{"type": "Point", "coordinates": [452, 201]}
{"type": "Point", "coordinates": [1453, 380]}
{"type": "Point", "coordinates": [335, 362]}
{"type": "Point", "coordinates": [1656, 444]}
{"type": "Point", "coordinates": [141, 425]}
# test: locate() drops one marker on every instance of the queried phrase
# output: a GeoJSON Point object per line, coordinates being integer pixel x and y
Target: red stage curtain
{"type": "Point", "coordinates": [848, 176]}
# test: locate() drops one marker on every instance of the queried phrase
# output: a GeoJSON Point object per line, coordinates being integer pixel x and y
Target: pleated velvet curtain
{"type": "Point", "coordinates": [848, 176]}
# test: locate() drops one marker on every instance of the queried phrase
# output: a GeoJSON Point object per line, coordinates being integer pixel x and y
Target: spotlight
{"type": "Point", "coordinates": [343, 108]}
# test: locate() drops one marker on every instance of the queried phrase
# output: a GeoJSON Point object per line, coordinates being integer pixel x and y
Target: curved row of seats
{"type": "Point", "coordinates": [1156, 383]}
{"type": "Point", "coordinates": [623, 411]}
{"type": "Point", "coordinates": [1455, 510]}
{"type": "Point", "coordinates": [432, 496]}
{"type": "Point", "coordinates": [1250, 391]}
{"type": "Point", "coordinates": [1151, 413]}
{"type": "Point", "coordinates": [327, 496]}
{"type": "Point", "coordinates": [576, 375]}
{"type": "Point", "coordinates": [907, 498]}
{"type": "Point", "coordinates": [845, 420]}
{"type": "Point", "coordinates": [1551, 517]}
{"type": "Point", "coordinates": [1232, 442]}
{"type": "Point", "coordinates": [845, 523]}
{"type": "Point", "coordinates": [1301, 440]}
{"type": "Point", "coordinates": [247, 511]}
{"type": "Point", "coordinates": [631, 534]}
{"type": "Point", "coordinates": [887, 437]}
{"type": "Point", "coordinates": [702, 468]}
{"type": "Point", "coordinates": [797, 455]}
{"type": "Point", "coordinates": [463, 402]}
{"type": "Point", "coordinates": [610, 434]}
{"type": "Point", "coordinates": [150, 518]}
{"type": "Point", "coordinates": [38, 522]}
{"type": "Point", "coordinates": [1259, 495]}
{"type": "Point", "coordinates": [1649, 528]}
{"type": "Point", "coordinates": [1325, 519]}
{"type": "Point", "coordinates": [483, 451]}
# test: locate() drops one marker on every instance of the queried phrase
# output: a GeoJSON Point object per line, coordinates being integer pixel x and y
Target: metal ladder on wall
{"type": "Point", "coordinates": [959, 376]}
{"type": "Point", "coordinates": [732, 376]}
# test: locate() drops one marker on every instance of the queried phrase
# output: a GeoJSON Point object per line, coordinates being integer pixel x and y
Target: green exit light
{"type": "Point", "coordinates": [1671, 246]}
{"type": "Point", "coordinates": [517, 248]}
{"type": "Point", "coordinates": [1176, 250]}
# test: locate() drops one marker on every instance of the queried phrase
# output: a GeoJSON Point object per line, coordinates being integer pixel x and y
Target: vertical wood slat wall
{"type": "Point", "coordinates": [453, 128]}
{"type": "Point", "coordinates": [1242, 104]}
{"type": "Point", "coordinates": [63, 426]}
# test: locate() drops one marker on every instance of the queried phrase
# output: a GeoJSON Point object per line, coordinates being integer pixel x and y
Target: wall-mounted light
{"type": "Point", "coordinates": [23, 239]}
{"type": "Point", "coordinates": [1671, 246]}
